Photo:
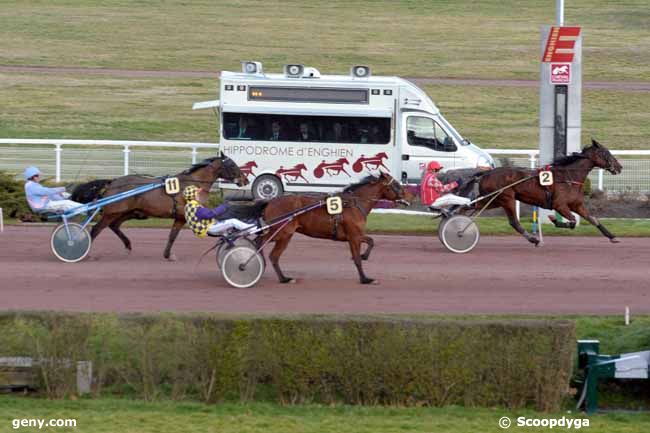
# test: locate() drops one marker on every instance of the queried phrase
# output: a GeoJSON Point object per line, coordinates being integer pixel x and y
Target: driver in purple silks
{"type": "Point", "coordinates": [205, 221]}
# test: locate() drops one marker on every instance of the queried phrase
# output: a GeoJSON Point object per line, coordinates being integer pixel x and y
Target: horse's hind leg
{"type": "Point", "coordinates": [371, 244]}
{"type": "Point", "coordinates": [115, 227]}
{"type": "Point", "coordinates": [281, 242]}
{"type": "Point", "coordinates": [509, 208]}
{"type": "Point", "coordinates": [173, 234]}
{"type": "Point", "coordinates": [103, 222]}
{"type": "Point", "coordinates": [581, 210]}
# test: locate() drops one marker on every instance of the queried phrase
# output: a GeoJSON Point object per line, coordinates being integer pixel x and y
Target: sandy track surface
{"type": "Point", "coordinates": [415, 273]}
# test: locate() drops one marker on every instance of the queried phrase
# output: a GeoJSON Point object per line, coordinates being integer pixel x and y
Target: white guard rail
{"type": "Point", "coordinates": [79, 159]}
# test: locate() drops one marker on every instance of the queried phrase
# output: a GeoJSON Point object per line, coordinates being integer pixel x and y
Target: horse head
{"type": "Point", "coordinates": [602, 157]}
{"type": "Point", "coordinates": [225, 168]}
{"type": "Point", "coordinates": [392, 189]}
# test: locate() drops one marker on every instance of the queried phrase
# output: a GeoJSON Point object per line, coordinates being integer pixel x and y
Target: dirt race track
{"type": "Point", "coordinates": [416, 274]}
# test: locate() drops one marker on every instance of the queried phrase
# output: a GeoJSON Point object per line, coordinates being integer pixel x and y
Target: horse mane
{"type": "Point", "coordinates": [365, 181]}
{"type": "Point", "coordinates": [569, 159]}
{"type": "Point", "coordinates": [199, 165]}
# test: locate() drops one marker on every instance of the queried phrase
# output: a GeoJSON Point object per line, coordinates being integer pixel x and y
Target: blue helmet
{"type": "Point", "coordinates": [31, 172]}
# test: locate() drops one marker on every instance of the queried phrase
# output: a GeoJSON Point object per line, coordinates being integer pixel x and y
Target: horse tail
{"type": "Point", "coordinates": [89, 191]}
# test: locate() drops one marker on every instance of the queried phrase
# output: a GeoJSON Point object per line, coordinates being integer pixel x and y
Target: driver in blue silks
{"type": "Point", "coordinates": [43, 199]}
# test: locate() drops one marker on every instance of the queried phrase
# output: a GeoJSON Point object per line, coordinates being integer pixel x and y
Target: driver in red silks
{"type": "Point", "coordinates": [435, 194]}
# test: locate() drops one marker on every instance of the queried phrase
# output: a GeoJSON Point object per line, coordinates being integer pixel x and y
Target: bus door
{"type": "Point", "coordinates": [424, 140]}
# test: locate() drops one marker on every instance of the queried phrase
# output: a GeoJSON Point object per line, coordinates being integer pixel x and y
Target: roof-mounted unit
{"type": "Point", "coordinates": [248, 67]}
{"type": "Point", "coordinates": [293, 71]}
{"type": "Point", "coordinates": [360, 71]}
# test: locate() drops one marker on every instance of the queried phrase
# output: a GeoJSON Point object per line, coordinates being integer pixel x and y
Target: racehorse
{"type": "Point", "coordinates": [358, 200]}
{"type": "Point", "coordinates": [565, 195]}
{"type": "Point", "coordinates": [155, 203]}
{"type": "Point", "coordinates": [292, 174]}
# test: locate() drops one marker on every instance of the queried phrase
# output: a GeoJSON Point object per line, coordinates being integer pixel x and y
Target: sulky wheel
{"type": "Point", "coordinates": [225, 247]}
{"type": "Point", "coordinates": [242, 266]}
{"type": "Point", "coordinates": [441, 224]}
{"type": "Point", "coordinates": [71, 245]}
{"type": "Point", "coordinates": [459, 234]}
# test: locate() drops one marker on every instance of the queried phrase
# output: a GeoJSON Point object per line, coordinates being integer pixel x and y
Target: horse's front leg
{"type": "Point", "coordinates": [581, 210]}
{"type": "Point", "coordinates": [566, 213]}
{"type": "Point", "coordinates": [355, 248]}
{"type": "Point", "coordinates": [173, 234]}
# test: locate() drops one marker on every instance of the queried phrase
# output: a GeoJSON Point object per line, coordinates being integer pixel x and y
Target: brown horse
{"type": "Point", "coordinates": [358, 201]}
{"type": "Point", "coordinates": [566, 195]}
{"type": "Point", "coordinates": [155, 203]}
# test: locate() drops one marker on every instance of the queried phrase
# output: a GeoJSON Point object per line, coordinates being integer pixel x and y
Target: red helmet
{"type": "Point", "coordinates": [434, 165]}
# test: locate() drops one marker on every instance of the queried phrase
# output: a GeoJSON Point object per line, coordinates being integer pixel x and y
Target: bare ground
{"type": "Point", "coordinates": [416, 275]}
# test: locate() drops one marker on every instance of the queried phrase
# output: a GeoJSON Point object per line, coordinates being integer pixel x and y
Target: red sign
{"type": "Point", "coordinates": [560, 43]}
{"type": "Point", "coordinates": [560, 73]}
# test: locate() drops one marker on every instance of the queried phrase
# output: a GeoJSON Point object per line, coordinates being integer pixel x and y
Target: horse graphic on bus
{"type": "Point", "coordinates": [292, 174]}
{"type": "Point", "coordinates": [332, 168]}
{"type": "Point", "coordinates": [247, 169]}
{"type": "Point", "coordinates": [370, 163]}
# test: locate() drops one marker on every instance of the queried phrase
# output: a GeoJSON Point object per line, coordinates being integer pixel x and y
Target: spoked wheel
{"type": "Point", "coordinates": [225, 247]}
{"type": "Point", "coordinates": [242, 266]}
{"type": "Point", "coordinates": [441, 225]}
{"type": "Point", "coordinates": [459, 234]}
{"type": "Point", "coordinates": [72, 248]}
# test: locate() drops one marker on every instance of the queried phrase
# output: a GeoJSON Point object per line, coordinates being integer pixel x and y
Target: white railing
{"type": "Point", "coordinates": [111, 158]}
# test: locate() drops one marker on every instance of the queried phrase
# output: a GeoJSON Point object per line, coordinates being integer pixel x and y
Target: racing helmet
{"type": "Point", "coordinates": [31, 172]}
{"type": "Point", "coordinates": [191, 192]}
{"type": "Point", "coordinates": [434, 165]}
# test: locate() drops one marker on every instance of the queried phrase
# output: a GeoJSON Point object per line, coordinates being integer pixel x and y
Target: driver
{"type": "Point", "coordinates": [205, 221]}
{"type": "Point", "coordinates": [43, 199]}
{"type": "Point", "coordinates": [435, 194]}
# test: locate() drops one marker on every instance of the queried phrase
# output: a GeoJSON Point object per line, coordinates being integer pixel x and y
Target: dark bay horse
{"type": "Point", "coordinates": [566, 195]}
{"type": "Point", "coordinates": [154, 203]}
{"type": "Point", "coordinates": [350, 225]}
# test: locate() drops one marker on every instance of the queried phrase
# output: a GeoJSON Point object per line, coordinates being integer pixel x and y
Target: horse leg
{"type": "Point", "coordinates": [281, 243]}
{"type": "Point", "coordinates": [103, 222]}
{"type": "Point", "coordinates": [176, 228]}
{"type": "Point", "coordinates": [509, 208]}
{"type": "Point", "coordinates": [581, 210]}
{"type": "Point", "coordinates": [566, 213]}
{"type": "Point", "coordinates": [115, 227]}
{"type": "Point", "coordinates": [371, 244]}
{"type": "Point", "coordinates": [355, 249]}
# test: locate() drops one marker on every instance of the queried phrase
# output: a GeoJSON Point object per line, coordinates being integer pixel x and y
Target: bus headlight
{"type": "Point", "coordinates": [485, 163]}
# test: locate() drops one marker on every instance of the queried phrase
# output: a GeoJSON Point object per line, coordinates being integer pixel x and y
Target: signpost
{"type": "Point", "coordinates": [560, 93]}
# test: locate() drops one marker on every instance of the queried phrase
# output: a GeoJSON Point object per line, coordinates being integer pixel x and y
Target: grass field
{"type": "Point", "coordinates": [127, 416]}
{"type": "Point", "coordinates": [494, 39]}
{"type": "Point", "coordinates": [489, 226]}
{"type": "Point", "coordinates": [440, 38]}
{"type": "Point", "coordinates": [119, 108]}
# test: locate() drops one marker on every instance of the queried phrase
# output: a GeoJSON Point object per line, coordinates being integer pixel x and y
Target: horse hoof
{"type": "Point", "coordinates": [614, 241]}
{"type": "Point", "coordinates": [287, 280]}
{"type": "Point", "coordinates": [171, 258]}
{"type": "Point", "coordinates": [364, 257]}
{"type": "Point", "coordinates": [369, 281]}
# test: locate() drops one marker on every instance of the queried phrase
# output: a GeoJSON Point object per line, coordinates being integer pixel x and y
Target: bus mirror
{"type": "Point", "coordinates": [293, 71]}
{"type": "Point", "coordinates": [360, 71]}
{"type": "Point", "coordinates": [248, 67]}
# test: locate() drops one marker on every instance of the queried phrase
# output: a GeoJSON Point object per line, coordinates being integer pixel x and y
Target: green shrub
{"type": "Point", "coordinates": [12, 195]}
{"type": "Point", "coordinates": [322, 359]}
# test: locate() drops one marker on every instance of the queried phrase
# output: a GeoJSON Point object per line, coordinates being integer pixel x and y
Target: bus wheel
{"type": "Point", "coordinates": [267, 187]}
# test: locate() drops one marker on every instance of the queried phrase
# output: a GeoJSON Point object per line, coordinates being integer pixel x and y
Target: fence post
{"type": "Point", "coordinates": [57, 170]}
{"type": "Point", "coordinates": [126, 159]}
{"type": "Point", "coordinates": [600, 179]}
{"type": "Point", "coordinates": [193, 155]}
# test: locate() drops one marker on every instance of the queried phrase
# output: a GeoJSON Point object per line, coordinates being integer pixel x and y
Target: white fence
{"type": "Point", "coordinates": [70, 160]}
